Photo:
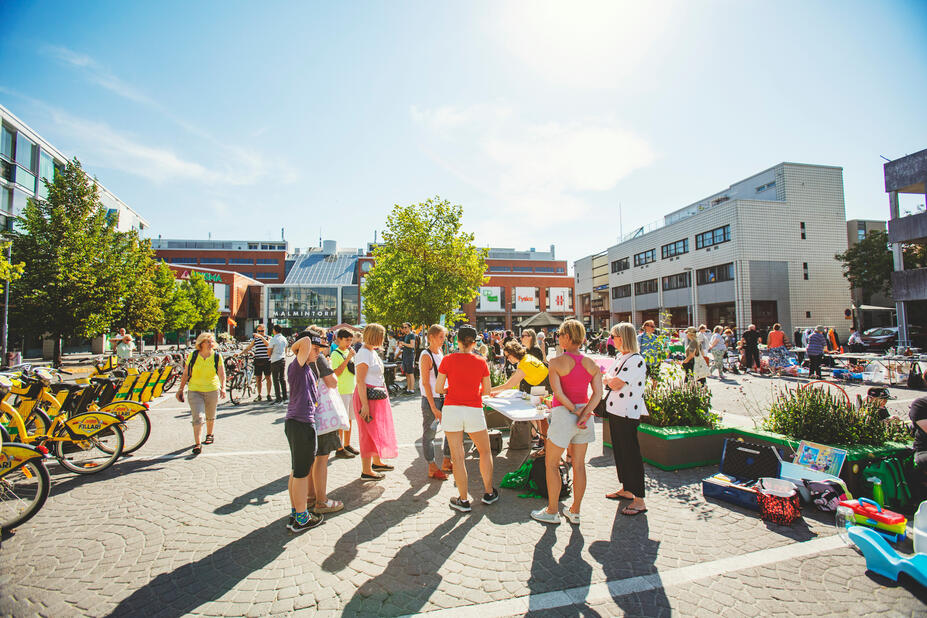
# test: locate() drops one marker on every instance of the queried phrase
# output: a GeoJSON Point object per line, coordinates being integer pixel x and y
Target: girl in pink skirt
{"type": "Point", "coordinates": [371, 404]}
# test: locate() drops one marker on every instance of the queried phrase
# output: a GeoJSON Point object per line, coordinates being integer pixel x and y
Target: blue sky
{"type": "Point", "coordinates": [238, 118]}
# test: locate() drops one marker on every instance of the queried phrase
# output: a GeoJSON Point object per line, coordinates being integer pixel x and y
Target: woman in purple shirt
{"type": "Point", "coordinates": [300, 428]}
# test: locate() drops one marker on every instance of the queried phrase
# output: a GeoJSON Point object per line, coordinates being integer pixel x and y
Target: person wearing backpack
{"type": "Point", "coordinates": [204, 378]}
{"type": "Point", "coordinates": [429, 361]}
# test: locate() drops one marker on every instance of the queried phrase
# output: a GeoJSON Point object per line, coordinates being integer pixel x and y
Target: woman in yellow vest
{"type": "Point", "coordinates": [530, 371]}
{"type": "Point", "coordinates": [204, 376]}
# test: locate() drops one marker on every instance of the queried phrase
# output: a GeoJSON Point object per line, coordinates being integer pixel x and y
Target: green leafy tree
{"type": "Point", "coordinates": [72, 281]}
{"type": "Point", "coordinates": [177, 310]}
{"type": "Point", "coordinates": [140, 310]}
{"type": "Point", "coordinates": [8, 270]}
{"type": "Point", "coordinates": [204, 302]}
{"type": "Point", "coordinates": [426, 266]}
{"type": "Point", "coordinates": [867, 265]}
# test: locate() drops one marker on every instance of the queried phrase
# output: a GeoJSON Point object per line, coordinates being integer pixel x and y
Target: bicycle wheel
{"type": "Point", "coordinates": [135, 432]}
{"type": "Point", "coordinates": [22, 494]}
{"type": "Point", "coordinates": [235, 389]}
{"type": "Point", "coordinates": [171, 380]}
{"type": "Point", "coordinates": [93, 454]}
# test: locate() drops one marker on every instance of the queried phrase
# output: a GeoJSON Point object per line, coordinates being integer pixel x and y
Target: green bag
{"type": "Point", "coordinates": [894, 485]}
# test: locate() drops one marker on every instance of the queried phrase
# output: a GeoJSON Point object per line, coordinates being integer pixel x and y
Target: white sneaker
{"type": "Point", "coordinates": [544, 517]}
{"type": "Point", "coordinates": [571, 516]}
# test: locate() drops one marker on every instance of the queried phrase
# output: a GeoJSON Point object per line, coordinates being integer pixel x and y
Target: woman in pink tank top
{"type": "Point", "coordinates": [571, 375]}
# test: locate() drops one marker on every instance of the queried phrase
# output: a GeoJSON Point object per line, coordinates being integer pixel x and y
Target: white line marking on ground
{"type": "Point", "coordinates": [597, 593]}
{"type": "Point", "coordinates": [188, 455]}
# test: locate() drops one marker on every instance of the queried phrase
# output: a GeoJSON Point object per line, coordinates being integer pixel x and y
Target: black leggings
{"type": "Point", "coordinates": [752, 357]}
{"type": "Point", "coordinates": [815, 362]}
{"type": "Point", "coordinates": [627, 453]}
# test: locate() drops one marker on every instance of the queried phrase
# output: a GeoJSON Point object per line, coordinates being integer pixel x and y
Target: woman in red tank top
{"type": "Point", "coordinates": [571, 375]}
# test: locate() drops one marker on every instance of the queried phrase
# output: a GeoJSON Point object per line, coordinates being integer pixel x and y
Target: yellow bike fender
{"type": "Point", "coordinates": [91, 423]}
{"type": "Point", "coordinates": [124, 409]}
{"type": "Point", "coordinates": [15, 455]}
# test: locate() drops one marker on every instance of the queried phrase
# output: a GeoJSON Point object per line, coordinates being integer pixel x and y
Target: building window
{"type": "Point", "coordinates": [675, 248]}
{"type": "Point", "coordinates": [212, 260]}
{"type": "Point", "coordinates": [268, 261]}
{"type": "Point", "coordinates": [560, 269]}
{"type": "Point", "coordinates": [241, 261]}
{"type": "Point", "coordinates": [645, 287]}
{"type": "Point", "coordinates": [621, 265]}
{"type": "Point", "coordinates": [521, 269]}
{"type": "Point", "coordinates": [46, 172]}
{"type": "Point", "coordinates": [265, 275]}
{"type": "Point", "coordinates": [544, 269]}
{"type": "Point", "coordinates": [26, 153]}
{"type": "Point", "coordinates": [183, 260]}
{"type": "Point", "coordinates": [768, 185]}
{"type": "Point", "coordinates": [801, 228]}
{"type": "Point", "coordinates": [622, 291]}
{"type": "Point", "coordinates": [500, 269]}
{"type": "Point", "coordinates": [675, 282]}
{"type": "Point", "coordinates": [252, 246]}
{"type": "Point", "coordinates": [714, 237]}
{"type": "Point", "coordinates": [807, 314]}
{"type": "Point", "coordinates": [804, 270]}
{"type": "Point", "coordinates": [25, 179]}
{"type": "Point", "coordinates": [645, 257]}
{"type": "Point", "coordinates": [6, 143]}
{"type": "Point", "coordinates": [715, 274]}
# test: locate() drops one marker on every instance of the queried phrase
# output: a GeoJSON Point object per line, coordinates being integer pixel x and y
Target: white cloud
{"type": "Point", "coordinates": [96, 73]}
{"type": "Point", "coordinates": [531, 171]}
{"type": "Point", "coordinates": [582, 43]}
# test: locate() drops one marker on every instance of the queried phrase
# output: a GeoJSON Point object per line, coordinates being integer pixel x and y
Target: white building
{"type": "Point", "coordinates": [761, 251]}
{"type": "Point", "coordinates": [26, 159]}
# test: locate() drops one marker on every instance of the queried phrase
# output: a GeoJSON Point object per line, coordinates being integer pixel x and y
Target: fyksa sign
{"type": "Point", "coordinates": [526, 299]}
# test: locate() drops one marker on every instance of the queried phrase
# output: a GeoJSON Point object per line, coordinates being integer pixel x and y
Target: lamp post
{"type": "Point", "coordinates": [692, 282]}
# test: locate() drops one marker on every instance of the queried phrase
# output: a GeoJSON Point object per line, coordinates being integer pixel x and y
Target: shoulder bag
{"type": "Point", "coordinates": [600, 407]}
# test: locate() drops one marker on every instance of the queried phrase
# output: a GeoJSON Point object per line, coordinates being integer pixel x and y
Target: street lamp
{"type": "Point", "coordinates": [691, 270]}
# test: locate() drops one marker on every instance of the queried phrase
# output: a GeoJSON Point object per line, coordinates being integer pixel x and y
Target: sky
{"type": "Point", "coordinates": [236, 119]}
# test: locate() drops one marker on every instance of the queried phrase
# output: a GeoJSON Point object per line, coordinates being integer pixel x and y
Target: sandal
{"type": "Point", "coordinates": [209, 439]}
{"type": "Point", "coordinates": [382, 467]}
{"type": "Point", "coordinates": [329, 506]}
{"type": "Point", "coordinates": [438, 475]}
{"type": "Point", "coordinates": [620, 495]}
{"type": "Point", "coordinates": [197, 449]}
{"type": "Point", "coordinates": [631, 511]}
{"type": "Point", "coordinates": [372, 477]}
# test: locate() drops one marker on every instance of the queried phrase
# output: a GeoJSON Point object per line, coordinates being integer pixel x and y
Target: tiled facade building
{"type": "Point", "coordinates": [761, 251]}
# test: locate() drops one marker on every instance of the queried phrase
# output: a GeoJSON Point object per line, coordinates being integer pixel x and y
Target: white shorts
{"type": "Point", "coordinates": [564, 431]}
{"type": "Point", "coordinates": [462, 418]}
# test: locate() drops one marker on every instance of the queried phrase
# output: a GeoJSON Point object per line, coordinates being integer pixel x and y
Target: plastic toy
{"type": "Point", "coordinates": [869, 513]}
{"type": "Point", "coordinates": [883, 560]}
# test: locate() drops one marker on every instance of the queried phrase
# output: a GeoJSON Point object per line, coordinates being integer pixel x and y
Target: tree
{"type": "Point", "coordinates": [426, 266]}
{"type": "Point", "coordinates": [868, 265]}
{"type": "Point", "coordinates": [177, 310]}
{"type": "Point", "coordinates": [140, 310]}
{"type": "Point", "coordinates": [8, 271]}
{"type": "Point", "coordinates": [203, 300]}
{"type": "Point", "coordinates": [73, 255]}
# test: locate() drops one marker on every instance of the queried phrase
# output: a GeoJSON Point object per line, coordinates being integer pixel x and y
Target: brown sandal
{"type": "Point", "coordinates": [620, 495]}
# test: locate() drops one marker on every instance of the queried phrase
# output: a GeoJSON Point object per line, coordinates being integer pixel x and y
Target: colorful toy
{"type": "Point", "coordinates": [869, 513]}
{"type": "Point", "coordinates": [883, 560]}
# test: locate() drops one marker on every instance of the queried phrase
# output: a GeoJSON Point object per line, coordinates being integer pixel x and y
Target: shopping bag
{"type": "Point", "coordinates": [701, 367]}
{"type": "Point", "coordinates": [330, 415]}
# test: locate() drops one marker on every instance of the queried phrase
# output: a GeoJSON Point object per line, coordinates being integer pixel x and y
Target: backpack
{"type": "Point", "coordinates": [537, 478]}
{"type": "Point", "coordinates": [215, 360]}
{"type": "Point", "coordinates": [892, 473]}
{"type": "Point", "coordinates": [350, 365]}
{"type": "Point", "coordinates": [825, 495]}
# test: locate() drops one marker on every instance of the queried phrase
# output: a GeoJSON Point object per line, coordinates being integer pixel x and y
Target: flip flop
{"type": "Point", "coordinates": [618, 496]}
{"type": "Point", "coordinates": [631, 511]}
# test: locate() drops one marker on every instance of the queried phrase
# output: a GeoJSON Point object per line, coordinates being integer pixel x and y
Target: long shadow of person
{"type": "Point", "coordinates": [382, 518]}
{"type": "Point", "coordinates": [570, 571]}
{"type": "Point", "coordinates": [255, 497]}
{"type": "Point", "coordinates": [410, 578]}
{"type": "Point", "coordinates": [189, 586]}
{"type": "Point", "coordinates": [630, 552]}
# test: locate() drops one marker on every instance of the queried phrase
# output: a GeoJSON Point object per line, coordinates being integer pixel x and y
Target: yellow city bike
{"type": "Point", "coordinates": [84, 443]}
{"type": "Point", "coordinates": [24, 481]}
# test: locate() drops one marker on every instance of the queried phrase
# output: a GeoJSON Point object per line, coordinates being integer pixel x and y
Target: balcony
{"type": "Point", "coordinates": [912, 228]}
{"type": "Point", "coordinates": [910, 285]}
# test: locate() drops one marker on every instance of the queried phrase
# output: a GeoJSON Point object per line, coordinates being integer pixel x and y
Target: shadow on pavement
{"type": "Point", "coordinates": [383, 517]}
{"type": "Point", "coordinates": [570, 571]}
{"type": "Point", "coordinates": [189, 586]}
{"type": "Point", "coordinates": [121, 467]}
{"type": "Point", "coordinates": [255, 497]}
{"type": "Point", "coordinates": [630, 552]}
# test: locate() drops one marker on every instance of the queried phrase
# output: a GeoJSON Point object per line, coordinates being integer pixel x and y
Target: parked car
{"type": "Point", "coordinates": [881, 338]}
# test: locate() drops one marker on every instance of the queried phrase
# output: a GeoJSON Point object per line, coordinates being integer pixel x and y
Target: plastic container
{"type": "Point", "coordinates": [870, 514]}
{"type": "Point", "coordinates": [777, 487]}
{"type": "Point", "coordinates": [920, 529]}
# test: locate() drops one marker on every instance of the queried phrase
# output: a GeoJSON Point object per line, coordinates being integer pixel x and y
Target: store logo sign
{"type": "Point", "coordinates": [213, 277]}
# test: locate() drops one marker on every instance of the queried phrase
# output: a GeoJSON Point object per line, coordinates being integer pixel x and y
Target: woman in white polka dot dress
{"type": "Point", "coordinates": [624, 404]}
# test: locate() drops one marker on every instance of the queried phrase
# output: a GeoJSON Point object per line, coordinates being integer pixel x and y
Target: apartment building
{"type": "Point", "coordinates": [761, 251]}
{"type": "Point", "coordinates": [26, 159]}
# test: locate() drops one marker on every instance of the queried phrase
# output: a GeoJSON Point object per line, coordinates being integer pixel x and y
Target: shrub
{"type": "Point", "coordinates": [672, 404]}
{"type": "Point", "coordinates": [817, 415]}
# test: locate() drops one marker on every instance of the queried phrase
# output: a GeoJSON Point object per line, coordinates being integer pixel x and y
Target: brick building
{"type": "Point", "coordinates": [262, 260]}
{"type": "Point", "coordinates": [239, 297]}
{"type": "Point", "coordinates": [521, 283]}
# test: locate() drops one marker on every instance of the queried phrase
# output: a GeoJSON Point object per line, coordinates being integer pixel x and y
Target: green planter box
{"type": "Point", "coordinates": [677, 448]}
{"type": "Point", "coordinates": [858, 457]}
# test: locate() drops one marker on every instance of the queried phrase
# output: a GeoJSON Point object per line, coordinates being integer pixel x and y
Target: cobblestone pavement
{"type": "Point", "coordinates": [166, 534]}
